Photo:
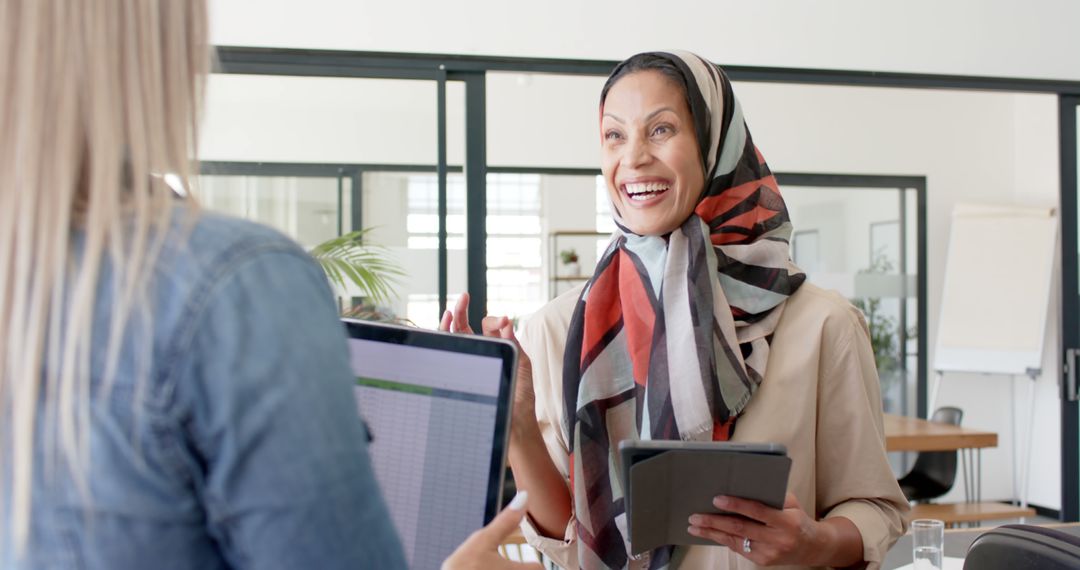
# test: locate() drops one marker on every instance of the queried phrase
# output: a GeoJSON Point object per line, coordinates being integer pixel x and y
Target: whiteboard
{"type": "Point", "coordinates": [997, 289]}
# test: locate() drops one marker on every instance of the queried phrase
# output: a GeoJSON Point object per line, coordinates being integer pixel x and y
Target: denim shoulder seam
{"type": "Point", "coordinates": [221, 270]}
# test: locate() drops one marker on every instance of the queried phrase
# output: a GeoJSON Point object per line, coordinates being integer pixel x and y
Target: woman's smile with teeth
{"type": "Point", "coordinates": [645, 191]}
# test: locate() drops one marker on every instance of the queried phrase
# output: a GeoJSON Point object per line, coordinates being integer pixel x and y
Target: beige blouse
{"type": "Point", "coordinates": [820, 398]}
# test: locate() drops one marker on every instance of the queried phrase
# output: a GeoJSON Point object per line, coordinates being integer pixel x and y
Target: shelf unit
{"type": "Point", "coordinates": [563, 236]}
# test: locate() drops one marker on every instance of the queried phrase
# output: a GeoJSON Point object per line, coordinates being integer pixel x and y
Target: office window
{"type": "Point", "coordinates": [422, 220]}
{"type": "Point", "coordinates": [513, 244]}
{"type": "Point", "coordinates": [861, 242]}
{"type": "Point", "coordinates": [604, 222]}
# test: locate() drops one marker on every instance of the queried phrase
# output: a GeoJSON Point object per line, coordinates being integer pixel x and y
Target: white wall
{"type": "Point", "coordinates": [1030, 38]}
{"type": "Point", "coordinates": [543, 120]}
{"type": "Point", "coordinates": [328, 119]}
{"type": "Point", "coordinates": [1036, 182]}
{"type": "Point", "coordinates": [532, 119]}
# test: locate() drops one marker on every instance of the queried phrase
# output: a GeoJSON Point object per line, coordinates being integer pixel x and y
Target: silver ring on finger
{"type": "Point", "coordinates": [746, 545]}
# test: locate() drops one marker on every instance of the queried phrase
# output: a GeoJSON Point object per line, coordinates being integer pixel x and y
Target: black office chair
{"type": "Point", "coordinates": [934, 472]}
{"type": "Point", "coordinates": [1022, 547]}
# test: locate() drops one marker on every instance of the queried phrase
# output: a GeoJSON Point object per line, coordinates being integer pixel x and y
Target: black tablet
{"type": "Point", "coordinates": [438, 409]}
{"type": "Point", "coordinates": [664, 482]}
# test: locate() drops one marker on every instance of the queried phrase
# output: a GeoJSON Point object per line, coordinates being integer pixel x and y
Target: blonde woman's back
{"type": "Point", "coordinates": [241, 447]}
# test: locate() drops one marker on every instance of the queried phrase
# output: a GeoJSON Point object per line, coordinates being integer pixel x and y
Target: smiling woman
{"type": "Point", "coordinates": [696, 325]}
{"type": "Point", "coordinates": [651, 161]}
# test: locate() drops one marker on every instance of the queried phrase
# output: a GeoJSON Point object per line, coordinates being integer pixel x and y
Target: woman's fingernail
{"type": "Point", "coordinates": [518, 503]}
{"type": "Point", "coordinates": [692, 530]}
{"type": "Point", "coordinates": [722, 502]}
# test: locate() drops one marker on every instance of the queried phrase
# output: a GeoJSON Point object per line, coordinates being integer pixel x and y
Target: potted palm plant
{"type": "Point", "coordinates": [349, 261]}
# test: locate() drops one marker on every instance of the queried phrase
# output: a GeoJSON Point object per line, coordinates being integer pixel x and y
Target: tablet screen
{"type": "Point", "coordinates": [433, 417]}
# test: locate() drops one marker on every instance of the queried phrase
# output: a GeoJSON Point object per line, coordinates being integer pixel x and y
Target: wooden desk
{"type": "Point", "coordinates": [903, 433]}
{"type": "Point", "coordinates": [956, 513]}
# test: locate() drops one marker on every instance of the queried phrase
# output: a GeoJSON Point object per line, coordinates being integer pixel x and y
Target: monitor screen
{"type": "Point", "coordinates": [432, 404]}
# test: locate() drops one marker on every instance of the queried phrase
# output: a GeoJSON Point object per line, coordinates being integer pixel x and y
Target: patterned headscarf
{"type": "Point", "coordinates": [670, 337]}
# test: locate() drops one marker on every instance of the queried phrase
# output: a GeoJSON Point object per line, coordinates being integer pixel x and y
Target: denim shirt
{"type": "Point", "coordinates": [242, 447]}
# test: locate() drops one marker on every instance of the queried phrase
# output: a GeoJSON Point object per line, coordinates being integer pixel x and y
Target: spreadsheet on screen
{"type": "Point", "coordinates": [432, 415]}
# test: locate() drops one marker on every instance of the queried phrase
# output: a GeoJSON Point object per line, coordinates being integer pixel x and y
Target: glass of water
{"type": "Point", "coordinates": [928, 540]}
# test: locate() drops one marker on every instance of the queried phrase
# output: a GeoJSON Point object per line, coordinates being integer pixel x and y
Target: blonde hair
{"type": "Point", "coordinates": [98, 99]}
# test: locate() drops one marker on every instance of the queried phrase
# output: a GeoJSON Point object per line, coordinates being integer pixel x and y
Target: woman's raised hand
{"type": "Point", "coordinates": [533, 468]}
{"type": "Point", "coordinates": [457, 321]}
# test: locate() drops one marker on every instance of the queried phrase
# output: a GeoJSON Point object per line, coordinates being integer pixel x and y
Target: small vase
{"type": "Point", "coordinates": [572, 269]}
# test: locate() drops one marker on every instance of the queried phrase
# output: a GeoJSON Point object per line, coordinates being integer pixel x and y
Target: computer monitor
{"type": "Point", "coordinates": [438, 409]}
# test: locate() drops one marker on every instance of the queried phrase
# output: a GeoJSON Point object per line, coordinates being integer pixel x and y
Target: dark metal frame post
{"type": "Point", "coordinates": [389, 65]}
{"type": "Point", "coordinates": [340, 202]}
{"type": "Point", "coordinates": [1070, 306]}
{"type": "Point", "coordinates": [922, 293]}
{"type": "Point", "coordinates": [475, 193]}
{"type": "Point", "coordinates": [357, 193]}
{"type": "Point", "coordinates": [293, 169]}
{"type": "Point", "coordinates": [904, 294]}
{"type": "Point", "coordinates": [440, 169]}
{"type": "Point", "coordinates": [328, 170]}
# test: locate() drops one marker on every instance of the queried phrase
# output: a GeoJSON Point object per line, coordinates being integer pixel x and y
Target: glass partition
{"type": "Point", "coordinates": [315, 157]}
{"type": "Point", "coordinates": [309, 209]}
{"type": "Point", "coordinates": [862, 242]}
{"type": "Point", "coordinates": [401, 210]}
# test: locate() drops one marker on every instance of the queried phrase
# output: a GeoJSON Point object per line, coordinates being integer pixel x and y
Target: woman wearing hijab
{"type": "Point", "coordinates": [697, 326]}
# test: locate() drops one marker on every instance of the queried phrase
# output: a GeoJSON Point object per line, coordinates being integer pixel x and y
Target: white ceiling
{"type": "Point", "coordinates": [1009, 38]}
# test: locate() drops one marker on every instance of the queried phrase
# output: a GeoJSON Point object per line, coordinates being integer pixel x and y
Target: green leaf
{"type": "Point", "coordinates": [349, 260]}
